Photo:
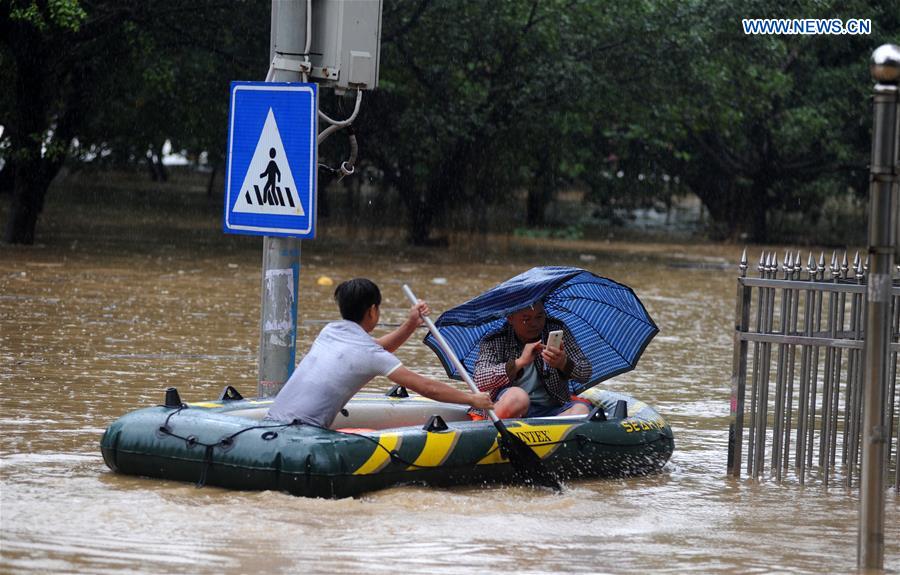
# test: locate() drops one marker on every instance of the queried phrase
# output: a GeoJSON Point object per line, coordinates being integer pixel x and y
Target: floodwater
{"type": "Point", "coordinates": [91, 328]}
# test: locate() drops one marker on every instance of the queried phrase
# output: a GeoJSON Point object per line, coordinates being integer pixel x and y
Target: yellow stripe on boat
{"type": "Point", "coordinates": [212, 404]}
{"type": "Point", "coordinates": [380, 457]}
{"type": "Point", "coordinates": [535, 436]}
{"type": "Point", "coordinates": [438, 446]}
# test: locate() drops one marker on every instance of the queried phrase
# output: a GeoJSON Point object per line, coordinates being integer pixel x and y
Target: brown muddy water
{"type": "Point", "coordinates": [93, 325]}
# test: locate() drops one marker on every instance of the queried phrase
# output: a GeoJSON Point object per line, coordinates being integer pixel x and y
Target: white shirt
{"type": "Point", "coordinates": [340, 362]}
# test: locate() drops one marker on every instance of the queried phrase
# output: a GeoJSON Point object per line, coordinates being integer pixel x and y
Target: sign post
{"type": "Point", "coordinates": [271, 185]}
{"type": "Point", "coordinates": [272, 157]}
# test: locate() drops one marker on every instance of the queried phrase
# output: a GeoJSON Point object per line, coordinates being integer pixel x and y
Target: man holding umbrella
{"type": "Point", "coordinates": [525, 377]}
{"type": "Point", "coordinates": [500, 338]}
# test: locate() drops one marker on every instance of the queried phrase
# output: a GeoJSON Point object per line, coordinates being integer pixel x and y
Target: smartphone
{"type": "Point", "coordinates": [554, 339]}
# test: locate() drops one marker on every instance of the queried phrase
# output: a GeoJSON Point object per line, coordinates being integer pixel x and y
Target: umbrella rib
{"type": "Point", "coordinates": [648, 319]}
{"type": "Point", "coordinates": [600, 336]}
{"type": "Point", "coordinates": [616, 286]}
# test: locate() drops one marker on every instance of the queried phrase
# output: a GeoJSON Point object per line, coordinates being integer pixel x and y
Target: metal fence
{"type": "Point", "coordinates": [798, 366]}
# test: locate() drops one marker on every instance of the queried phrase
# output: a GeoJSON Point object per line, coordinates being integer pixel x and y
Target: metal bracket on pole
{"type": "Point", "coordinates": [290, 64]}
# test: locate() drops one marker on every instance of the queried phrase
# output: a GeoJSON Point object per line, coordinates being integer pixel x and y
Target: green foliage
{"type": "Point", "coordinates": [754, 120]}
{"type": "Point", "coordinates": [480, 101]}
{"type": "Point", "coordinates": [65, 15]}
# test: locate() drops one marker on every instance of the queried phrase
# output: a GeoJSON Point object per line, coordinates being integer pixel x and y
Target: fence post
{"type": "Point", "coordinates": [885, 68]}
{"type": "Point", "coordinates": [739, 373]}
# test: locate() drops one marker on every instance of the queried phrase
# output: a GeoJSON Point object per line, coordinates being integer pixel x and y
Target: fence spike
{"type": "Point", "coordinates": [798, 265]}
{"type": "Point", "coordinates": [844, 266]}
{"type": "Point", "coordinates": [811, 266]}
{"type": "Point", "coordinates": [761, 267]}
{"type": "Point", "coordinates": [743, 265]}
{"type": "Point", "coordinates": [820, 270]}
{"type": "Point", "coordinates": [787, 266]}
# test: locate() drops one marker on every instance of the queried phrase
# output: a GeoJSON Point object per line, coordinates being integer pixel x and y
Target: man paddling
{"type": "Point", "coordinates": [344, 358]}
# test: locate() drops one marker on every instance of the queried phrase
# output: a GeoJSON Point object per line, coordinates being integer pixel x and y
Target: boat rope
{"type": "Point", "coordinates": [227, 441]}
{"type": "Point", "coordinates": [191, 440]}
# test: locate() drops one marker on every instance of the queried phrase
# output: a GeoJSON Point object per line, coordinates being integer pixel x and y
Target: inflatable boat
{"type": "Point", "coordinates": [377, 441]}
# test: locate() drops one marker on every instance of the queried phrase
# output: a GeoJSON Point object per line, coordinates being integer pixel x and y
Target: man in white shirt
{"type": "Point", "coordinates": [344, 358]}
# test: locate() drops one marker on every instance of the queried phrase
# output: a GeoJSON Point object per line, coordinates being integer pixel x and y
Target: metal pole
{"type": "Point", "coordinates": [762, 425]}
{"type": "Point", "coordinates": [817, 325]}
{"type": "Point", "coordinates": [281, 255]}
{"type": "Point", "coordinates": [894, 376]}
{"type": "Point", "coordinates": [855, 375]}
{"type": "Point", "coordinates": [754, 381]}
{"type": "Point", "coordinates": [805, 368]}
{"type": "Point", "coordinates": [781, 368]}
{"type": "Point", "coordinates": [828, 385]}
{"type": "Point", "coordinates": [885, 68]}
{"type": "Point", "coordinates": [739, 373]}
{"type": "Point", "coordinates": [792, 360]}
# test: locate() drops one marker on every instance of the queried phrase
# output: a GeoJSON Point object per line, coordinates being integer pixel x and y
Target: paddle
{"type": "Point", "coordinates": [523, 458]}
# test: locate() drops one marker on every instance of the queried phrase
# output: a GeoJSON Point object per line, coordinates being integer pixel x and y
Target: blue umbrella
{"type": "Point", "coordinates": [606, 318]}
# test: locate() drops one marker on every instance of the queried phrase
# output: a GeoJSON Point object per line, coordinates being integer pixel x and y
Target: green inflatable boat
{"type": "Point", "coordinates": [377, 441]}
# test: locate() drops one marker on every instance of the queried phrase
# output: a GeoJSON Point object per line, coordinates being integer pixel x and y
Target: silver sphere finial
{"type": "Point", "coordinates": [885, 65]}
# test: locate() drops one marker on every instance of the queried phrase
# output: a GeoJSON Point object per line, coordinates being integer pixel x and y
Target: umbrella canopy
{"type": "Point", "coordinates": [606, 318]}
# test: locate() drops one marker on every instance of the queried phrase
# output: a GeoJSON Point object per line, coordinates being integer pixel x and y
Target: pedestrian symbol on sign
{"type": "Point", "coordinates": [261, 192]}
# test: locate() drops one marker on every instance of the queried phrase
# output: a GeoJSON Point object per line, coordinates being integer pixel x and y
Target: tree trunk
{"type": "Point", "coordinates": [28, 199]}
{"type": "Point", "coordinates": [351, 204]}
{"type": "Point", "coordinates": [212, 179]}
{"type": "Point", "coordinates": [323, 207]}
{"type": "Point", "coordinates": [759, 208]}
{"type": "Point", "coordinates": [26, 136]}
{"type": "Point", "coordinates": [540, 193]}
{"type": "Point", "coordinates": [420, 214]}
{"type": "Point", "coordinates": [155, 165]}
{"type": "Point", "coordinates": [7, 177]}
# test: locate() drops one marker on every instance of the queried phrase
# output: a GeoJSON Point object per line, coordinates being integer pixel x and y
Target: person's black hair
{"type": "Point", "coordinates": [356, 296]}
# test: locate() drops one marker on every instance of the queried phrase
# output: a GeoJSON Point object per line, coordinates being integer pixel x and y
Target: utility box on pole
{"type": "Point", "coordinates": [346, 39]}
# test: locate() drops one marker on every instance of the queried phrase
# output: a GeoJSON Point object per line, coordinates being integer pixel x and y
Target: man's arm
{"type": "Point", "coordinates": [396, 338]}
{"type": "Point", "coordinates": [493, 370]}
{"type": "Point", "coordinates": [438, 391]}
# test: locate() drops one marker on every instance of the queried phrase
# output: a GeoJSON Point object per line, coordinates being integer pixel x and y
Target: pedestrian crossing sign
{"type": "Point", "coordinates": [270, 177]}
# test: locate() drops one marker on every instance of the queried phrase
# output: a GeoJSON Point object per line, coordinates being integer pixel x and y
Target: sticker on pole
{"type": "Point", "coordinates": [270, 180]}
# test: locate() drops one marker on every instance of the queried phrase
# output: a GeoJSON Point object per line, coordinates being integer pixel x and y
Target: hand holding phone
{"type": "Point", "coordinates": [554, 339]}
